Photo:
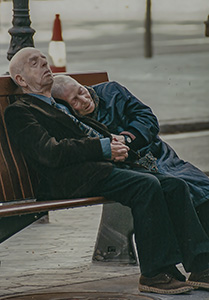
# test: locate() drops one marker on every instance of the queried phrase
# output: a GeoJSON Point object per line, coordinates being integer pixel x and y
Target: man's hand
{"type": "Point", "coordinates": [119, 151]}
{"type": "Point", "coordinates": [119, 138]}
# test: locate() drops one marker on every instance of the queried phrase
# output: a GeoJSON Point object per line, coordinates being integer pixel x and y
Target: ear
{"type": "Point", "coordinates": [20, 80]}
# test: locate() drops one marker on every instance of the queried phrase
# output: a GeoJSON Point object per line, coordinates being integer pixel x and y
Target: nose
{"type": "Point", "coordinates": [43, 61]}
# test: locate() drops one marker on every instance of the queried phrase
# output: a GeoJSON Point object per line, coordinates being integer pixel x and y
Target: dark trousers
{"type": "Point", "coordinates": [167, 227]}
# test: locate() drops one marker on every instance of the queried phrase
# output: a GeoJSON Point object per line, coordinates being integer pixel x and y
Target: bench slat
{"type": "Point", "coordinates": [8, 87]}
{"type": "Point", "coordinates": [7, 210]}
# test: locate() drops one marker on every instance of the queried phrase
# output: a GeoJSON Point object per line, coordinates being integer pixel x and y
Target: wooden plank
{"type": "Point", "coordinates": [7, 210]}
{"type": "Point", "coordinates": [90, 78]}
{"type": "Point", "coordinates": [7, 86]}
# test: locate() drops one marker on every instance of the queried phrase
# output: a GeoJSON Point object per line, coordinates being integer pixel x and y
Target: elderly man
{"type": "Point", "coordinates": [76, 156]}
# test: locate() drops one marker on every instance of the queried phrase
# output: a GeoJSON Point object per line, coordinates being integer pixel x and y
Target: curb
{"type": "Point", "coordinates": [183, 126]}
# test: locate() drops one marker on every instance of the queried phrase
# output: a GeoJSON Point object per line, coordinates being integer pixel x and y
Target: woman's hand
{"type": "Point", "coordinates": [119, 138]}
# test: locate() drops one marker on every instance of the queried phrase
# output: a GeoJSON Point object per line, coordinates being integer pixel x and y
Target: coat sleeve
{"type": "Point", "coordinates": [38, 145]}
{"type": "Point", "coordinates": [139, 120]}
{"type": "Point", "coordinates": [131, 114]}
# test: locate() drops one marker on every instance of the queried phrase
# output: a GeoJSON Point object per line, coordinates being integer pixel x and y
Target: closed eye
{"type": "Point", "coordinates": [81, 91]}
{"type": "Point", "coordinates": [73, 102]}
{"type": "Point", "coordinates": [33, 63]}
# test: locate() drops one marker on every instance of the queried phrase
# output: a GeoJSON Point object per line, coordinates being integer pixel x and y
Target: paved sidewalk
{"type": "Point", "coordinates": [56, 257]}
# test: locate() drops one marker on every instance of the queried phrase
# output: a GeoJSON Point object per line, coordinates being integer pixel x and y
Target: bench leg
{"type": "Point", "coordinates": [11, 225]}
{"type": "Point", "coordinates": [115, 236]}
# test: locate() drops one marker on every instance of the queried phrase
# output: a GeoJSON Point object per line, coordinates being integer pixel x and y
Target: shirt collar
{"type": "Point", "coordinates": [48, 100]}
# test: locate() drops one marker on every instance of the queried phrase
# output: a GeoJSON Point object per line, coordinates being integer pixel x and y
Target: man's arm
{"type": "Point", "coordinates": [37, 144]}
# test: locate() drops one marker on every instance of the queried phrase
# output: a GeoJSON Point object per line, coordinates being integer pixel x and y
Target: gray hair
{"type": "Point", "coordinates": [60, 82]}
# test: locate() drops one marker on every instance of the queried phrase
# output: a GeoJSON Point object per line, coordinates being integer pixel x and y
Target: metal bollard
{"type": "Point", "coordinates": [148, 34]}
{"type": "Point", "coordinates": [207, 27]}
{"type": "Point", "coordinates": [115, 236]}
{"type": "Point", "coordinates": [21, 32]}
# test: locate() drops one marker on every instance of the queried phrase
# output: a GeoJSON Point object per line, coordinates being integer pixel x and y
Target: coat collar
{"type": "Point", "coordinates": [49, 111]}
{"type": "Point", "coordinates": [52, 112]}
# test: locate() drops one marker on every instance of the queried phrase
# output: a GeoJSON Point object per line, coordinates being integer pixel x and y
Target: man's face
{"type": "Point", "coordinates": [36, 72]}
{"type": "Point", "coordinates": [79, 98]}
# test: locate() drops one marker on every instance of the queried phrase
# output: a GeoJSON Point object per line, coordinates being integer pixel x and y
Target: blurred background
{"type": "Point", "coordinates": [109, 35]}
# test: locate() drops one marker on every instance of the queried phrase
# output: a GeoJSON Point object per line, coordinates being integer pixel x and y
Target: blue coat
{"type": "Point", "coordinates": [121, 111]}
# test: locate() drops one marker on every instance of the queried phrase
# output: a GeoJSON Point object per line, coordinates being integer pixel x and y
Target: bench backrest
{"type": "Point", "coordinates": [16, 180]}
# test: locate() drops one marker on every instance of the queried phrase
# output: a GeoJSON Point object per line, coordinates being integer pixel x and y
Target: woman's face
{"type": "Point", "coordinates": [79, 98]}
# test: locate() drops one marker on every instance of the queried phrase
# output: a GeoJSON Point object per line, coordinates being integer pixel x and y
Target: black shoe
{"type": "Point", "coordinates": [163, 283]}
{"type": "Point", "coordinates": [199, 280]}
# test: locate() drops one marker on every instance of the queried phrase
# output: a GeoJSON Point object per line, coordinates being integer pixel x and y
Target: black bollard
{"type": "Point", "coordinates": [148, 33]}
{"type": "Point", "coordinates": [207, 27]}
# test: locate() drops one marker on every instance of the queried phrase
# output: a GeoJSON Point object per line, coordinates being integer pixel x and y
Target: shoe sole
{"type": "Point", "coordinates": [198, 285]}
{"type": "Point", "coordinates": [150, 289]}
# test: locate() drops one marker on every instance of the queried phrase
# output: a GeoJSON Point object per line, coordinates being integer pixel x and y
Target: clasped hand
{"type": "Point", "coordinates": [119, 151]}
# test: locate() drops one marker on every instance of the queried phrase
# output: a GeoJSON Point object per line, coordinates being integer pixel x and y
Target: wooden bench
{"type": "Point", "coordinates": [18, 205]}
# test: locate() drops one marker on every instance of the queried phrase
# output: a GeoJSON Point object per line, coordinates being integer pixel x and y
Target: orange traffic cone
{"type": "Point", "coordinates": [57, 49]}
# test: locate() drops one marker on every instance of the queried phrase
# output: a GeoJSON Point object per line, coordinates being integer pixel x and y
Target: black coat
{"type": "Point", "coordinates": [121, 111]}
{"type": "Point", "coordinates": [69, 163]}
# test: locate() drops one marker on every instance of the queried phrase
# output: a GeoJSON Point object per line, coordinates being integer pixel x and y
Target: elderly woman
{"type": "Point", "coordinates": [132, 122]}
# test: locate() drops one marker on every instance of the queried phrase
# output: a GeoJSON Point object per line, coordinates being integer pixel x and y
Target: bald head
{"type": "Point", "coordinates": [30, 70]}
{"type": "Point", "coordinates": [16, 65]}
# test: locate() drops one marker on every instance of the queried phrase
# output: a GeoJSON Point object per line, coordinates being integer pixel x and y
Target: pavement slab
{"type": "Point", "coordinates": [39, 260]}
